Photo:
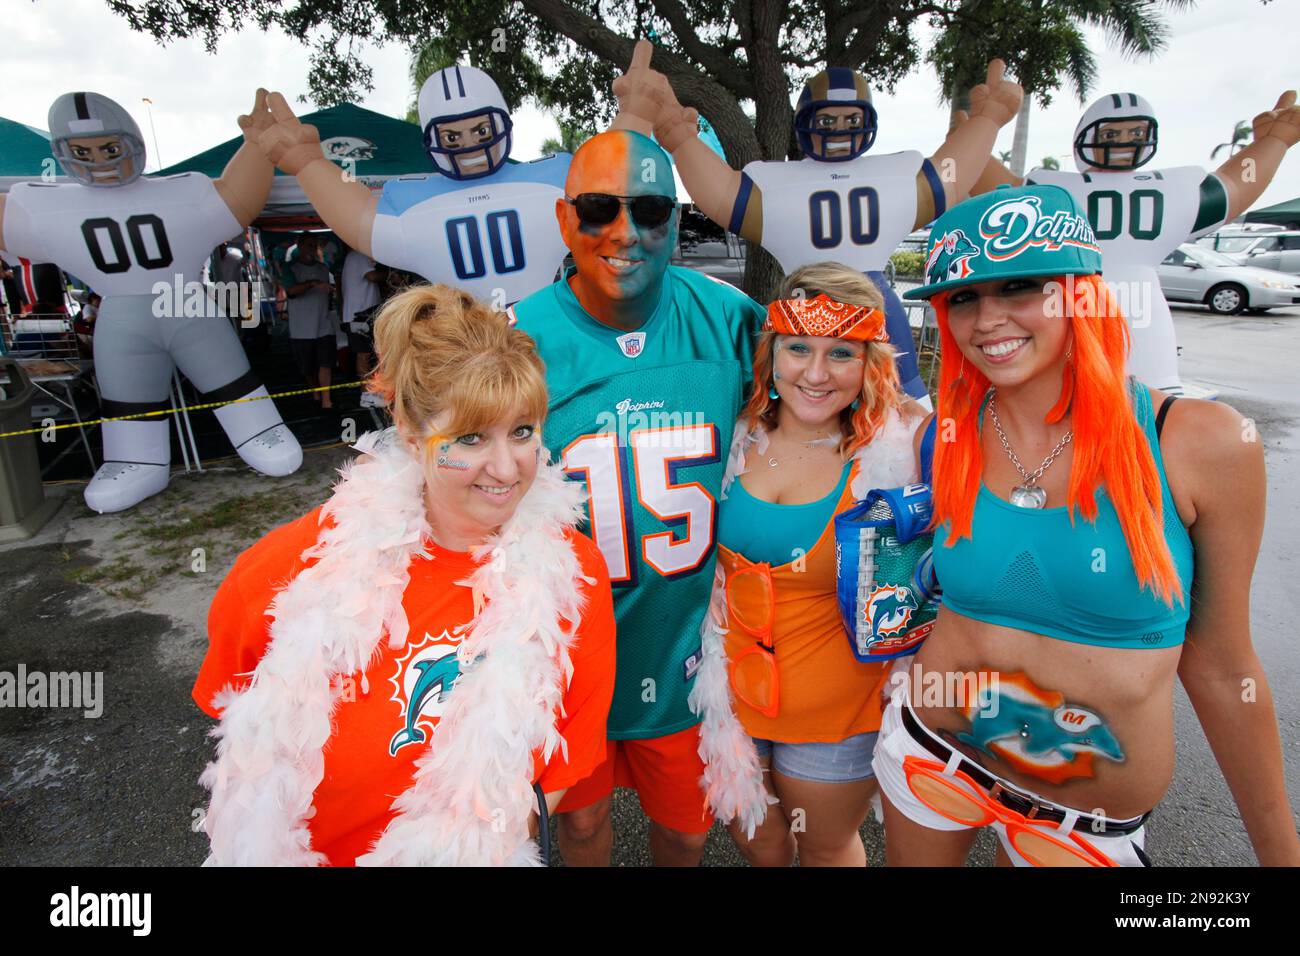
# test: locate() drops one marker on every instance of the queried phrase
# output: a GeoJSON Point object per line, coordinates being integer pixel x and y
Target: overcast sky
{"type": "Point", "coordinates": [1226, 61]}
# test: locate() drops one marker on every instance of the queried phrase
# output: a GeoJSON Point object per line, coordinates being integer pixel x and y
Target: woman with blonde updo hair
{"type": "Point", "coordinates": [827, 423]}
{"type": "Point", "coordinates": [445, 635]}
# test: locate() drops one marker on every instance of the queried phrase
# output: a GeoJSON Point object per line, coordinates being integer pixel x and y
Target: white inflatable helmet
{"type": "Point", "coordinates": [1111, 108]}
{"type": "Point", "coordinates": [457, 93]}
{"type": "Point", "coordinates": [89, 116]}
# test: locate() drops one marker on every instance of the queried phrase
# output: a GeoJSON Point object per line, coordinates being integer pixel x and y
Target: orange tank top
{"type": "Point", "coordinates": [826, 693]}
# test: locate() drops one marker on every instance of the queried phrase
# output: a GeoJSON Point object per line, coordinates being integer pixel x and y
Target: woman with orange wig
{"type": "Point", "coordinates": [1068, 504]}
{"type": "Point", "coordinates": [827, 423]}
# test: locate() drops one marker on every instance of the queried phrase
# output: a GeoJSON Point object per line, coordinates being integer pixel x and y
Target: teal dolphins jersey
{"type": "Point", "coordinates": [645, 419]}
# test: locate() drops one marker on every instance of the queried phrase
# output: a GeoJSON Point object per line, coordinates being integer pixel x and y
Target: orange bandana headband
{"type": "Point", "coordinates": [823, 316]}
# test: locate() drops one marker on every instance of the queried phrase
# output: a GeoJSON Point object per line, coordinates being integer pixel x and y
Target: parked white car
{"type": "Point", "coordinates": [1235, 236]}
{"type": "Point", "coordinates": [1278, 250]}
{"type": "Point", "coordinates": [1192, 273]}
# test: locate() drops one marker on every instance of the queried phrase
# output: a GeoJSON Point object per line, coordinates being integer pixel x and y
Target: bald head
{"type": "Point", "coordinates": [620, 263]}
{"type": "Point", "coordinates": [622, 163]}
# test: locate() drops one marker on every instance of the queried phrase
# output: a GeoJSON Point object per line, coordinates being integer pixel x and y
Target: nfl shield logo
{"type": "Point", "coordinates": [632, 343]}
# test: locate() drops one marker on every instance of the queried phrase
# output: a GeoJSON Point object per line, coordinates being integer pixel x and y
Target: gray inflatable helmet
{"type": "Point", "coordinates": [90, 115]}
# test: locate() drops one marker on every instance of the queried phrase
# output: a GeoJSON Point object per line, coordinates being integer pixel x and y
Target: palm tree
{"type": "Point", "coordinates": [572, 135]}
{"type": "Point", "coordinates": [1050, 162]}
{"type": "Point", "coordinates": [428, 60]}
{"type": "Point", "coordinates": [1044, 42]}
{"type": "Point", "coordinates": [1240, 137]}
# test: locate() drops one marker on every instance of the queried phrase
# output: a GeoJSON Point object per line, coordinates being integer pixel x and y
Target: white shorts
{"type": "Point", "coordinates": [895, 743]}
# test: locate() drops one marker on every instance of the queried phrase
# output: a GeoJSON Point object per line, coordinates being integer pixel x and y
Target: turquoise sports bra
{"type": "Point", "coordinates": [1035, 571]}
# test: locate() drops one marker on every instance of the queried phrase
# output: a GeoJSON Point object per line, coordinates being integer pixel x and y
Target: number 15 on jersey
{"type": "Point", "coordinates": [646, 472]}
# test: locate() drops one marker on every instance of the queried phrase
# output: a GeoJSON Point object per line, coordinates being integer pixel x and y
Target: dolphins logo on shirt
{"type": "Point", "coordinates": [422, 683]}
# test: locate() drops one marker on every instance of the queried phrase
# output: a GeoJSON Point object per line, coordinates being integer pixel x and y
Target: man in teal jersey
{"type": "Point", "coordinates": [647, 366]}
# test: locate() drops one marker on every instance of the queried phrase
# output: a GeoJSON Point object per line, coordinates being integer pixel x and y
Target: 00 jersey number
{"type": "Point", "coordinates": [115, 258]}
{"type": "Point", "coordinates": [647, 467]}
{"type": "Point", "coordinates": [505, 244]}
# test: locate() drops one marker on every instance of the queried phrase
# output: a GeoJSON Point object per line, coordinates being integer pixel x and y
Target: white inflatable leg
{"type": "Point", "coordinates": [260, 435]}
{"type": "Point", "coordinates": [137, 464]}
{"type": "Point", "coordinates": [208, 353]}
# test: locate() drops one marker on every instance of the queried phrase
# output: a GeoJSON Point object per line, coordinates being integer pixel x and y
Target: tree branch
{"type": "Point", "coordinates": [710, 58]}
{"type": "Point", "coordinates": [591, 34]}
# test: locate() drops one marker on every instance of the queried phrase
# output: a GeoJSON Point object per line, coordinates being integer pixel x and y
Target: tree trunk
{"type": "Point", "coordinates": [1020, 145]}
{"type": "Point", "coordinates": [959, 97]}
{"type": "Point", "coordinates": [774, 119]}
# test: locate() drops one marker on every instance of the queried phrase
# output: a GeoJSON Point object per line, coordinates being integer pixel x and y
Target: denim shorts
{"type": "Point", "coordinates": [842, 762]}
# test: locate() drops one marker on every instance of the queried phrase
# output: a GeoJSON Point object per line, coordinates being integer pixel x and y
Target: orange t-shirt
{"type": "Point", "coordinates": [370, 758]}
{"type": "Point", "coordinates": [827, 694]}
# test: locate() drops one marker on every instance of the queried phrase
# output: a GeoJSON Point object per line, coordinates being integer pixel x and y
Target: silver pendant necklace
{"type": "Point", "coordinates": [1029, 494]}
{"type": "Point", "coordinates": [829, 441]}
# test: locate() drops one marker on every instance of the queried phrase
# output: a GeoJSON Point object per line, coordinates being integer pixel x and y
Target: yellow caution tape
{"type": "Point", "coordinates": [173, 411]}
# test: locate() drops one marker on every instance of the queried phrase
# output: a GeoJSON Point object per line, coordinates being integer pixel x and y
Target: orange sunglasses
{"type": "Point", "coordinates": [957, 797]}
{"type": "Point", "coordinates": [754, 674]}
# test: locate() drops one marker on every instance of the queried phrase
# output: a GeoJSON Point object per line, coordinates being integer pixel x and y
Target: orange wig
{"type": "Point", "coordinates": [1110, 447]}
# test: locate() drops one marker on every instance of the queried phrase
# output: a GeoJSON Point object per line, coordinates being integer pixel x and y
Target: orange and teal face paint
{"type": "Point", "coordinates": [621, 264]}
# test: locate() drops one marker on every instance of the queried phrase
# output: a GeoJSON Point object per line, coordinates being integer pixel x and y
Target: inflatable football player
{"type": "Point", "coordinates": [480, 224]}
{"type": "Point", "coordinates": [1140, 215]}
{"type": "Point", "coordinates": [837, 203]}
{"type": "Point", "coordinates": [125, 234]}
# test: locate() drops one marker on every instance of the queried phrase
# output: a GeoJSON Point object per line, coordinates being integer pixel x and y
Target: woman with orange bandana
{"type": "Point", "coordinates": [1095, 539]}
{"type": "Point", "coordinates": [827, 423]}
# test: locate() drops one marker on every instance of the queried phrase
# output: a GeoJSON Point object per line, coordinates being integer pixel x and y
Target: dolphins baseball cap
{"type": "Point", "coordinates": [1009, 233]}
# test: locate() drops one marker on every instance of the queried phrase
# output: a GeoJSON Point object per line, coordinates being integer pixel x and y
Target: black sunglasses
{"type": "Point", "coordinates": [600, 209]}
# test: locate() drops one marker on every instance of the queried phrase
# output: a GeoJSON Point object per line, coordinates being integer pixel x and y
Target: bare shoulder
{"type": "Point", "coordinates": [916, 416]}
{"type": "Point", "coordinates": [1210, 448]}
{"type": "Point", "coordinates": [914, 413]}
{"type": "Point", "coordinates": [1202, 433]}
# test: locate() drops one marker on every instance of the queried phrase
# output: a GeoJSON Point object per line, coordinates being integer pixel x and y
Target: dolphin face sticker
{"type": "Point", "coordinates": [1037, 732]}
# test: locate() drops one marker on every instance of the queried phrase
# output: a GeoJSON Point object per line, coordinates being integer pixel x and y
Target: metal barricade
{"type": "Point", "coordinates": [40, 335]}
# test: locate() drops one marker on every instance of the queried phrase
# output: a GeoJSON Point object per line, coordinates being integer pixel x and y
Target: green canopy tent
{"type": "Point", "coordinates": [25, 150]}
{"type": "Point", "coordinates": [1283, 214]}
{"type": "Point", "coordinates": [370, 145]}
{"type": "Point", "coordinates": [379, 145]}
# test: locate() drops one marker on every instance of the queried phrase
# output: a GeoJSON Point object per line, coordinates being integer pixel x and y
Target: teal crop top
{"type": "Point", "coordinates": [1034, 571]}
{"type": "Point", "coordinates": [763, 531]}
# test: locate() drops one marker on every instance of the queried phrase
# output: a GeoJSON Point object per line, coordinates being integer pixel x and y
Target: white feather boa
{"type": "Point", "coordinates": [472, 796]}
{"type": "Point", "coordinates": [733, 778]}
